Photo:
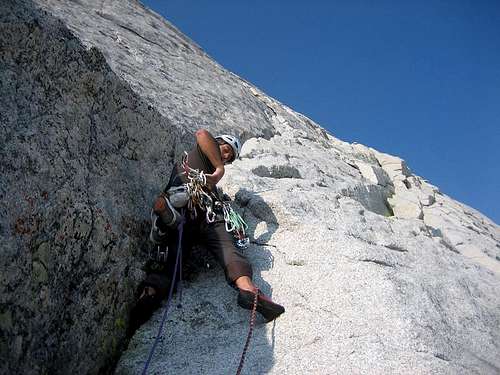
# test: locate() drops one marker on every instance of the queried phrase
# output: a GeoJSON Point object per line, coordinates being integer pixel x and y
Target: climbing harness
{"type": "Point", "coordinates": [250, 331]}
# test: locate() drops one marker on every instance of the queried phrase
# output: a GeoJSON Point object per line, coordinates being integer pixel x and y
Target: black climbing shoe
{"type": "Point", "coordinates": [265, 306]}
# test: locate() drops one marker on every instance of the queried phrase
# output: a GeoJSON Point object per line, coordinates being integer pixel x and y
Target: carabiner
{"type": "Point", "coordinates": [211, 216]}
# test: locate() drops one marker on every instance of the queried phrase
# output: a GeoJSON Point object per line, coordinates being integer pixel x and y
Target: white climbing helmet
{"type": "Point", "coordinates": [233, 142]}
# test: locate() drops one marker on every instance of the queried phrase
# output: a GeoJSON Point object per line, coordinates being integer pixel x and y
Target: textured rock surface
{"type": "Point", "coordinates": [378, 270]}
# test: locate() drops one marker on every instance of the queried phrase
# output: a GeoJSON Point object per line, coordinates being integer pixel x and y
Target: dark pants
{"type": "Point", "coordinates": [212, 236]}
{"type": "Point", "coordinates": [220, 243]}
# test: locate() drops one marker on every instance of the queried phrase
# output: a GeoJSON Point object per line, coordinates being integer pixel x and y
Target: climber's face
{"type": "Point", "coordinates": [226, 152]}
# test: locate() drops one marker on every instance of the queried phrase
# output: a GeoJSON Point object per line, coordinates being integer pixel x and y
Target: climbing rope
{"type": "Point", "coordinates": [250, 331]}
{"type": "Point", "coordinates": [178, 258]}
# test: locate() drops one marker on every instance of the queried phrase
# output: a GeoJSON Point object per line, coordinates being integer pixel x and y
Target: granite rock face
{"type": "Point", "coordinates": [379, 271]}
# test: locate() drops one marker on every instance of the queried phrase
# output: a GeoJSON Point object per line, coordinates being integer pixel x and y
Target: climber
{"type": "Point", "coordinates": [209, 155]}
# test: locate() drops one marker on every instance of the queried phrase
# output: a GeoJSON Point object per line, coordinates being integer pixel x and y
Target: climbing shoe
{"type": "Point", "coordinates": [164, 209]}
{"type": "Point", "coordinates": [265, 306]}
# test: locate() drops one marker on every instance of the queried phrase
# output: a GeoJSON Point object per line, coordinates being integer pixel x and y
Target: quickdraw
{"type": "Point", "coordinates": [235, 224]}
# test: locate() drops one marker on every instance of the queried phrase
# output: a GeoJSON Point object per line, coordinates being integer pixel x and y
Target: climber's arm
{"type": "Point", "coordinates": [210, 148]}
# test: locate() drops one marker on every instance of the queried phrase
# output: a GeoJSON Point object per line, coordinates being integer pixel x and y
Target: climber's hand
{"type": "Point", "coordinates": [214, 178]}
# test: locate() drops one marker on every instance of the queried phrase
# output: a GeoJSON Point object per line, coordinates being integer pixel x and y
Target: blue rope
{"type": "Point", "coordinates": [180, 228]}
{"type": "Point", "coordinates": [180, 280]}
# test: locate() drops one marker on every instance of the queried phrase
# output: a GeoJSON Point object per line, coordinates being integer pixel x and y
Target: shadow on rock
{"type": "Point", "coordinates": [262, 223]}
